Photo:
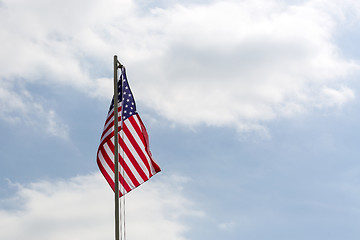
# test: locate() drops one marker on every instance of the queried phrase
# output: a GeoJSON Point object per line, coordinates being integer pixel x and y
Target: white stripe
{"type": "Point", "coordinates": [136, 117]}
{"type": "Point", "coordinates": [106, 166]}
{"type": "Point", "coordinates": [107, 133]}
{"type": "Point", "coordinates": [108, 151]}
{"type": "Point", "coordinates": [143, 147]}
{"type": "Point", "coordinates": [127, 160]}
{"type": "Point", "coordinates": [109, 171]}
{"type": "Point", "coordinates": [133, 151]}
{"type": "Point", "coordinates": [121, 169]}
{"type": "Point", "coordinates": [126, 177]}
{"type": "Point", "coordinates": [111, 121]}
{"type": "Point", "coordinates": [108, 119]}
{"type": "Point", "coordinates": [107, 123]}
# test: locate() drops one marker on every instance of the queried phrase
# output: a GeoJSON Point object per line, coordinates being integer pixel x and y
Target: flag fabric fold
{"type": "Point", "coordinates": [136, 164]}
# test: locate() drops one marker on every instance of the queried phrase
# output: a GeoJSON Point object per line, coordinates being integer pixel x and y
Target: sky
{"type": "Point", "coordinates": [251, 106]}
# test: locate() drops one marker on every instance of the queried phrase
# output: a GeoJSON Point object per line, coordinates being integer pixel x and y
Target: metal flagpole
{"type": "Point", "coordinates": [116, 140]}
{"type": "Point", "coordinates": [122, 199]}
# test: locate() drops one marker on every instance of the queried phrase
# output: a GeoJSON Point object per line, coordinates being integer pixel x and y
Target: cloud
{"type": "Point", "coordinates": [238, 64]}
{"type": "Point", "coordinates": [218, 63]}
{"type": "Point", "coordinates": [18, 107]}
{"type": "Point", "coordinates": [337, 97]}
{"type": "Point", "coordinates": [226, 225]}
{"type": "Point", "coordinates": [82, 208]}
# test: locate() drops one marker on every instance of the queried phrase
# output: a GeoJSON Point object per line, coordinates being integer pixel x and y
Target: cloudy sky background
{"type": "Point", "coordinates": [251, 107]}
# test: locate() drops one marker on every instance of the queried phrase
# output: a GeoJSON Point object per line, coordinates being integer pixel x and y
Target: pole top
{"type": "Point", "coordinates": [119, 65]}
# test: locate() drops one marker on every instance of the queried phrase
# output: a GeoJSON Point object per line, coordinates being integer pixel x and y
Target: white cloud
{"type": "Point", "coordinates": [219, 63]}
{"type": "Point", "coordinates": [82, 208]}
{"type": "Point", "coordinates": [336, 97]}
{"type": "Point", "coordinates": [240, 64]}
{"type": "Point", "coordinates": [19, 108]}
{"type": "Point", "coordinates": [226, 225]}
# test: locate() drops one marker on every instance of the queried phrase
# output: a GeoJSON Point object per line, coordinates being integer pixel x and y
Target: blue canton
{"type": "Point", "coordinates": [129, 107]}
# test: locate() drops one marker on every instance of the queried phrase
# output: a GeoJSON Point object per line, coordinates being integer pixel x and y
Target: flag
{"type": "Point", "coordinates": [136, 164]}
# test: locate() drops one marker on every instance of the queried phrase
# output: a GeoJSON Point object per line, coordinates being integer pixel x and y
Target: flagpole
{"type": "Point", "coordinates": [116, 155]}
{"type": "Point", "coordinates": [140, 147]}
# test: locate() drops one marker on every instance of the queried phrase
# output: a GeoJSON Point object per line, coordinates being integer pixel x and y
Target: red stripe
{"type": "Point", "coordinates": [137, 128]}
{"type": "Point", "coordinates": [132, 158]}
{"type": "Point", "coordinates": [108, 138]}
{"type": "Point", "coordinates": [125, 185]}
{"type": "Point", "coordinates": [110, 117]}
{"type": "Point", "coordinates": [146, 138]}
{"type": "Point", "coordinates": [107, 128]}
{"type": "Point", "coordinates": [155, 166]}
{"type": "Point", "coordinates": [107, 158]}
{"type": "Point", "coordinates": [106, 175]}
{"type": "Point", "coordinates": [124, 165]}
{"type": "Point", "coordinates": [128, 171]}
{"type": "Point", "coordinates": [136, 146]}
{"type": "Point", "coordinates": [111, 125]}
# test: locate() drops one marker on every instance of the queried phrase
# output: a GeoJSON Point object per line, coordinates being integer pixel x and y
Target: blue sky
{"type": "Point", "coordinates": [251, 107]}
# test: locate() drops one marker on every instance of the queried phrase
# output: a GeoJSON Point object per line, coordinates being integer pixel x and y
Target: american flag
{"type": "Point", "coordinates": [136, 164]}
